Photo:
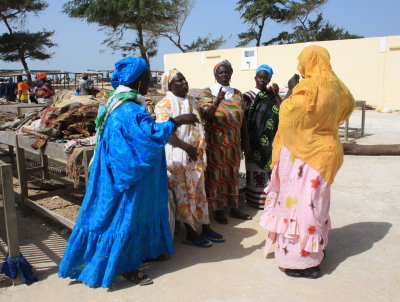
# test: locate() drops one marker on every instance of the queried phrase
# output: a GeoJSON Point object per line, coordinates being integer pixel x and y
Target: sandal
{"type": "Point", "coordinates": [198, 243]}
{"type": "Point", "coordinates": [311, 272]}
{"type": "Point", "coordinates": [235, 213]}
{"type": "Point", "coordinates": [220, 217]}
{"type": "Point", "coordinates": [215, 237]}
{"type": "Point", "coordinates": [138, 277]}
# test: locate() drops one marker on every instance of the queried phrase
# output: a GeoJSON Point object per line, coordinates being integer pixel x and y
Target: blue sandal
{"type": "Point", "coordinates": [212, 237]}
{"type": "Point", "coordinates": [199, 243]}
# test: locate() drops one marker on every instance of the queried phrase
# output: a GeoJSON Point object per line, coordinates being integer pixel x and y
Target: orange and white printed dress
{"type": "Point", "coordinates": [186, 178]}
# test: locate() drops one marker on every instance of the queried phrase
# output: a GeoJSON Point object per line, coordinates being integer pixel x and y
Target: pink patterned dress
{"type": "Point", "coordinates": [296, 213]}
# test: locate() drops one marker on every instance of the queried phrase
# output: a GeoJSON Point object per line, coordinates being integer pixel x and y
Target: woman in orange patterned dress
{"type": "Point", "coordinates": [226, 138]}
{"type": "Point", "coordinates": [186, 162]}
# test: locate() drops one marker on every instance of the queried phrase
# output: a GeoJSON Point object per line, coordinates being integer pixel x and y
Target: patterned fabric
{"type": "Point", "coordinates": [186, 178]}
{"type": "Point", "coordinates": [124, 215]}
{"type": "Point", "coordinates": [223, 150]}
{"type": "Point", "coordinates": [225, 63]}
{"type": "Point", "coordinates": [43, 92]}
{"type": "Point", "coordinates": [167, 78]}
{"type": "Point", "coordinates": [117, 96]}
{"type": "Point", "coordinates": [250, 96]}
{"type": "Point", "coordinates": [262, 123]}
{"type": "Point", "coordinates": [256, 181]}
{"type": "Point", "coordinates": [296, 213]}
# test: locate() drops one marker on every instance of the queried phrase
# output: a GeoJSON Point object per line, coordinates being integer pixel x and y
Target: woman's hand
{"type": "Point", "coordinates": [220, 97]}
{"type": "Point", "coordinates": [275, 88]}
{"type": "Point", "coordinates": [294, 80]}
{"type": "Point", "coordinates": [186, 119]}
{"type": "Point", "coordinates": [191, 152]}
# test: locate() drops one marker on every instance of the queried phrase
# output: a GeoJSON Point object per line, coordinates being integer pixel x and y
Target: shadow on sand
{"type": "Point", "coordinates": [186, 256]}
{"type": "Point", "coordinates": [351, 240]}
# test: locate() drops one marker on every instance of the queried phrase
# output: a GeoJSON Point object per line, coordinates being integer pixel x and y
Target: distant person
{"type": "Point", "coordinates": [262, 116]}
{"type": "Point", "coordinates": [306, 155]}
{"type": "Point", "coordinates": [85, 86]}
{"type": "Point", "coordinates": [43, 91]}
{"type": "Point", "coordinates": [23, 90]}
{"type": "Point", "coordinates": [10, 90]}
{"type": "Point", "coordinates": [123, 219]}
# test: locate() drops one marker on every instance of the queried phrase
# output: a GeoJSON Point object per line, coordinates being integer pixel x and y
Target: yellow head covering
{"type": "Point", "coordinates": [309, 119]}
{"type": "Point", "coordinates": [167, 78]}
{"type": "Point", "coordinates": [314, 62]}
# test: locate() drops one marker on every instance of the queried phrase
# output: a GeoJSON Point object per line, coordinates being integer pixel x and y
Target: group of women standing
{"type": "Point", "coordinates": [195, 146]}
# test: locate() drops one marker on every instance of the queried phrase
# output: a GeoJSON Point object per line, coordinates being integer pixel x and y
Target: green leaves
{"type": "Point", "coordinates": [316, 30]}
{"type": "Point", "coordinates": [26, 45]}
{"type": "Point", "coordinates": [255, 13]}
{"type": "Point", "coordinates": [121, 17]}
{"type": "Point", "coordinates": [18, 44]}
{"type": "Point", "coordinates": [172, 29]}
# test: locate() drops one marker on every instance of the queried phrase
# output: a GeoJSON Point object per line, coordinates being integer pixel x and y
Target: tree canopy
{"type": "Point", "coordinates": [18, 44]}
{"type": "Point", "coordinates": [316, 30]}
{"type": "Point", "coordinates": [172, 30]}
{"type": "Point", "coordinates": [256, 13]}
{"type": "Point", "coordinates": [120, 17]}
{"type": "Point", "coordinates": [294, 12]}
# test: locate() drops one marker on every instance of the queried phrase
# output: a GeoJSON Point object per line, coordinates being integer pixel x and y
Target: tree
{"type": "Point", "coordinates": [120, 17]}
{"type": "Point", "coordinates": [18, 44]}
{"type": "Point", "coordinates": [317, 30]}
{"type": "Point", "coordinates": [255, 13]}
{"type": "Point", "coordinates": [173, 29]}
{"type": "Point", "coordinates": [298, 12]}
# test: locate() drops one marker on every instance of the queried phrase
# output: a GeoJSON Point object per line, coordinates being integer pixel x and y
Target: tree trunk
{"type": "Point", "coordinates": [21, 55]}
{"type": "Point", "coordinates": [28, 72]}
{"type": "Point", "coordinates": [372, 150]}
{"type": "Point", "coordinates": [143, 52]}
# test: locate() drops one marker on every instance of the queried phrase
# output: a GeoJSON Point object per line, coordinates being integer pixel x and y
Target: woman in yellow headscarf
{"type": "Point", "coordinates": [306, 156]}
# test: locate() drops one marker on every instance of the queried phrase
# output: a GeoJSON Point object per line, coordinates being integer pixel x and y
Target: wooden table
{"type": "Point", "coordinates": [22, 143]}
{"type": "Point", "coordinates": [10, 214]}
{"type": "Point", "coordinates": [361, 129]}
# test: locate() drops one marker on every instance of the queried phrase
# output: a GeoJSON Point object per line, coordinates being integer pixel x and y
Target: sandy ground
{"type": "Point", "coordinates": [362, 262]}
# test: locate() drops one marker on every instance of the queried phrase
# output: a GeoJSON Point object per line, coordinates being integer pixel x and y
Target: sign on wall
{"type": "Point", "coordinates": [249, 58]}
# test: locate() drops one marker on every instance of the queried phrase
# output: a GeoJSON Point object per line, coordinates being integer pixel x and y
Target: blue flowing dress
{"type": "Point", "coordinates": [124, 215]}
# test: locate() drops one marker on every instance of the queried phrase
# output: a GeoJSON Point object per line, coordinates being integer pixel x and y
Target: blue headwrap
{"type": "Point", "coordinates": [127, 71]}
{"type": "Point", "coordinates": [267, 69]}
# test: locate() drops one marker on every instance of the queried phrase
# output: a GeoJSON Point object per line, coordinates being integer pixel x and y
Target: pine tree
{"type": "Point", "coordinates": [18, 44]}
{"type": "Point", "coordinates": [256, 13]}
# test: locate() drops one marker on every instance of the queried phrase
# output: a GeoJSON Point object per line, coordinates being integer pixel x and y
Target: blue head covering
{"type": "Point", "coordinates": [267, 68]}
{"type": "Point", "coordinates": [127, 71]}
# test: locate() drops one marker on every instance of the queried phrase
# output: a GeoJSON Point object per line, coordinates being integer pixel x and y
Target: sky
{"type": "Point", "coordinates": [80, 44]}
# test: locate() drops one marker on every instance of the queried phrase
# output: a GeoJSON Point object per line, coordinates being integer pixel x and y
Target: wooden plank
{"type": "Point", "coordinates": [34, 169]}
{"type": "Point", "coordinates": [51, 149]}
{"type": "Point", "coordinates": [22, 176]}
{"type": "Point", "coordinates": [9, 210]}
{"type": "Point", "coordinates": [7, 138]}
{"type": "Point", "coordinates": [45, 165]}
{"type": "Point", "coordinates": [11, 154]}
{"type": "Point", "coordinates": [21, 108]}
{"type": "Point", "coordinates": [56, 217]}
